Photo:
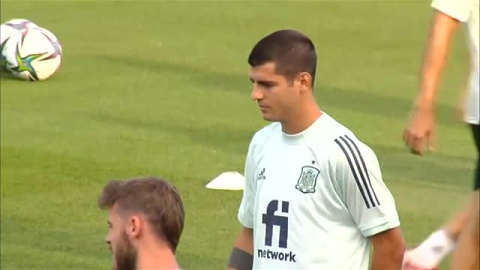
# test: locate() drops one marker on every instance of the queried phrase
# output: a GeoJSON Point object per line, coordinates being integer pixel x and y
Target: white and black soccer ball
{"type": "Point", "coordinates": [33, 54]}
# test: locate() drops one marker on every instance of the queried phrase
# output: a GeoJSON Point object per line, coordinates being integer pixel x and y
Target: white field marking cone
{"type": "Point", "coordinates": [228, 181]}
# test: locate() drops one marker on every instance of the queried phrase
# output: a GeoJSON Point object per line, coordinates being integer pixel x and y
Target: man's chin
{"type": "Point", "coordinates": [269, 118]}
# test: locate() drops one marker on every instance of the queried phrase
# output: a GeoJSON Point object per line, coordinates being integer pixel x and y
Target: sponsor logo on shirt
{"type": "Point", "coordinates": [261, 175]}
{"type": "Point", "coordinates": [272, 219]}
{"type": "Point", "coordinates": [276, 255]}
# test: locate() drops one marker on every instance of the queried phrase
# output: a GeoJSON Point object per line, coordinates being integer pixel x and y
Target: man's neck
{"type": "Point", "coordinates": [302, 119]}
{"type": "Point", "coordinates": [156, 258]}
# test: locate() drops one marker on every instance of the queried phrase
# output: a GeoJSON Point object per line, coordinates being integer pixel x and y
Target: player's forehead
{"type": "Point", "coordinates": [113, 214]}
{"type": "Point", "coordinates": [264, 71]}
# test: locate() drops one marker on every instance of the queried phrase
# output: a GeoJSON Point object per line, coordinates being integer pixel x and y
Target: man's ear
{"type": "Point", "coordinates": [134, 226]}
{"type": "Point", "coordinates": [304, 80]}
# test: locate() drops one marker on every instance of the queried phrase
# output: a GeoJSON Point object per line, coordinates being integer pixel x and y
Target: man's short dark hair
{"type": "Point", "coordinates": [290, 50]}
{"type": "Point", "coordinates": [154, 197]}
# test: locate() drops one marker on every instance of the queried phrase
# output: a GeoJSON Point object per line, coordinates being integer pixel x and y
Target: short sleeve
{"type": "Point", "coordinates": [245, 213]}
{"type": "Point", "coordinates": [457, 9]}
{"type": "Point", "coordinates": [362, 189]}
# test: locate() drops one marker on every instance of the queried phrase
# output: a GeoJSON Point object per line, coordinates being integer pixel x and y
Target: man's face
{"type": "Point", "coordinates": [274, 94]}
{"type": "Point", "coordinates": [124, 253]}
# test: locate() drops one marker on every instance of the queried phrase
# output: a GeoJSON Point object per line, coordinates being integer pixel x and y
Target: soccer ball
{"type": "Point", "coordinates": [9, 29]}
{"type": "Point", "coordinates": [33, 54]}
{"type": "Point", "coordinates": [6, 32]}
{"type": "Point", "coordinates": [20, 24]}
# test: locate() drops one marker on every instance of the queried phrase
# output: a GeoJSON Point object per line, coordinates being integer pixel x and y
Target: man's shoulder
{"type": "Point", "coordinates": [263, 134]}
{"type": "Point", "coordinates": [332, 130]}
{"type": "Point", "coordinates": [458, 9]}
{"type": "Point", "coordinates": [340, 140]}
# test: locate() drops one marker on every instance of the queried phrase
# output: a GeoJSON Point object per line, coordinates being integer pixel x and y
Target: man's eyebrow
{"type": "Point", "coordinates": [263, 82]}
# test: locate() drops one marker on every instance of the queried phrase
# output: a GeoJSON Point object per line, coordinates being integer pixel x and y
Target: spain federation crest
{"type": "Point", "coordinates": [308, 179]}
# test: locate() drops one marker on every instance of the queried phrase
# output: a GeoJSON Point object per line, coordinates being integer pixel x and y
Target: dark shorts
{"type": "Point", "coordinates": [476, 138]}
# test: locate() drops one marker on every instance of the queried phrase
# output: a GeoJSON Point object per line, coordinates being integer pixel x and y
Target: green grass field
{"type": "Point", "coordinates": [161, 88]}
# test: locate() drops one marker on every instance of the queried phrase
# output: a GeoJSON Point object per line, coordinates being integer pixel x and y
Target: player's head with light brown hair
{"type": "Point", "coordinates": [142, 212]}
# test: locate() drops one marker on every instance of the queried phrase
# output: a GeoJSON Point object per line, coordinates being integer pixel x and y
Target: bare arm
{"type": "Point", "coordinates": [441, 33]}
{"type": "Point", "coordinates": [464, 93]}
{"type": "Point", "coordinates": [388, 249]}
{"type": "Point", "coordinates": [421, 126]}
{"type": "Point", "coordinates": [242, 253]}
